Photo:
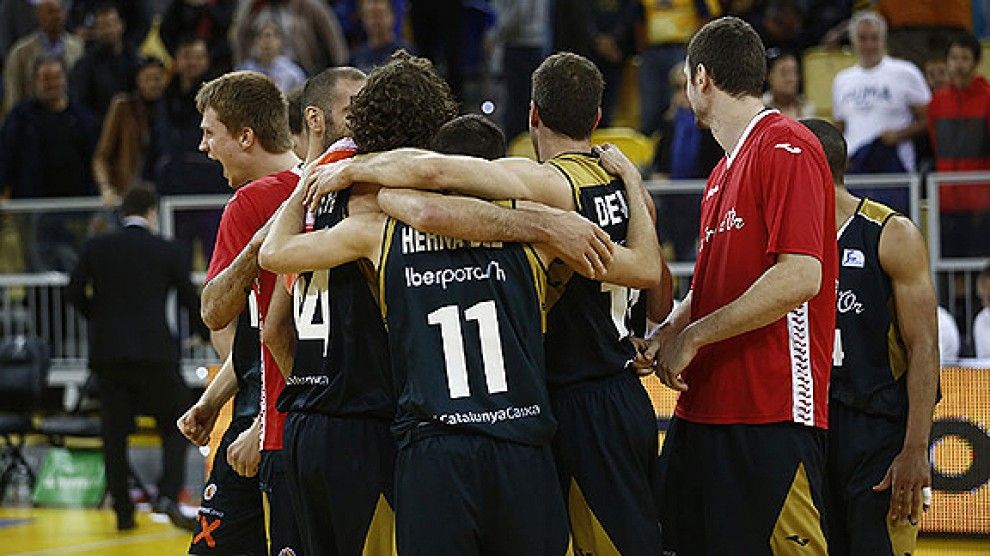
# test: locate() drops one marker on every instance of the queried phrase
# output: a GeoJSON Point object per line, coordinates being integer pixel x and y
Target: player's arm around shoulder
{"type": "Point", "coordinates": [507, 178]}
{"type": "Point", "coordinates": [287, 248]}
{"type": "Point", "coordinates": [638, 263]}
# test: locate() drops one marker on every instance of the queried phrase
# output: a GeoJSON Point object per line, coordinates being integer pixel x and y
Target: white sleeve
{"type": "Point", "coordinates": [948, 336]}
{"type": "Point", "coordinates": [838, 113]}
{"type": "Point", "coordinates": [981, 334]}
{"type": "Point", "coordinates": [918, 93]}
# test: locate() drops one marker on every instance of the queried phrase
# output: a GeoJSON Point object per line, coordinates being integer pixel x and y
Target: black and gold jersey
{"type": "Point", "coordinates": [465, 327]}
{"type": "Point", "coordinates": [246, 358]}
{"type": "Point", "coordinates": [588, 322]}
{"type": "Point", "coordinates": [341, 357]}
{"type": "Point", "coordinates": [869, 359]}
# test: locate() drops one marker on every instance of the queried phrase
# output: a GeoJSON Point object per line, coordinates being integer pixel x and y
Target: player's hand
{"type": "Point", "coordinates": [614, 161]}
{"type": "Point", "coordinates": [909, 474]}
{"type": "Point", "coordinates": [673, 356]}
{"type": "Point", "coordinates": [578, 242]}
{"type": "Point", "coordinates": [642, 365]}
{"type": "Point", "coordinates": [197, 423]}
{"type": "Point", "coordinates": [322, 180]}
{"type": "Point", "coordinates": [244, 454]}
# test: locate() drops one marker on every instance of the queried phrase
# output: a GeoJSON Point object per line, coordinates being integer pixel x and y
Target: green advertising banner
{"type": "Point", "coordinates": [70, 477]}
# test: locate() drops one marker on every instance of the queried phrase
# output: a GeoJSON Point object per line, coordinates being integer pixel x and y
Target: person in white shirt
{"type": "Point", "coordinates": [981, 324]}
{"type": "Point", "coordinates": [948, 336]}
{"type": "Point", "coordinates": [881, 103]}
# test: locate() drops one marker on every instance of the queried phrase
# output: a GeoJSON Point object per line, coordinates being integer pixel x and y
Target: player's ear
{"type": "Point", "coordinates": [315, 120]}
{"type": "Point", "coordinates": [247, 137]}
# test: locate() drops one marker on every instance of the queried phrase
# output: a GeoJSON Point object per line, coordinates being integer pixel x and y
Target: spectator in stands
{"type": "Point", "coordinates": [122, 285]}
{"type": "Point", "coordinates": [209, 20]}
{"type": "Point", "coordinates": [921, 28]}
{"type": "Point", "coordinates": [518, 37]}
{"type": "Point", "coordinates": [267, 58]}
{"type": "Point", "coordinates": [959, 132]}
{"type": "Point", "coordinates": [349, 15]}
{"type": "Point", "coordinates": [880, 104]}
{"type": "Point", "coordinates": [669, 26]}
{"type": "Point", "coordinates": [603, 32]}
{"type": "Point", "coordinates": [442, 44]}
{"type": "Point", "coordinates": [314, 39]}
{"type": "Point", "coordinates": [50, 39]}
{"type": "Point", "coordinates": [936, 73]}
{"type": "Point", "coordinates": [378, 22]}
{"type": "Point", "coordinates": [784, 80]}
{"type": "Point", "coordinates": [300, 139]}
{"type": "Point", "coordinates": [685, 152]}
{"type": "Point", "coordinates": [17, 20]}
{"type": "Point", "coordinates": [136, 15]}
{"type": "Point", "coordinates": [181, 167]}
{"type": "Point", "coordinates": [47, 140]}
{"type": "Point", "coordinates": [981, 324]}
{"type": "Point", "coordinates": [948, 336]}
{"type": "Point", "coordinates": [782, 26]}
{"type": "Point", "coordinates": [107, 67]}
{"type": "Point", "coordinates": [125, 154]}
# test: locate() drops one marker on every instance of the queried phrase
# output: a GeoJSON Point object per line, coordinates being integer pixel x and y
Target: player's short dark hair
{"type": "Point", "coordinates": [319, 90]}
{"type": "Point", "coordinates": [248, 99]}
{"type": "Point", "coordinates": [294, 98]}
{"type": "Point", "coordinates": [471, 135]}
{"type": "Point", "coordinates": [834, 145]}
{"type": "Point", "coordinates": [968, 41]}
{"type": "Point", "coordinates": [732, 54]}
{"type": "Point", "coordinates": [138, 201]}
{"type": "Point", "coordinates": [567, 91]}
{"type": "Point", "coordinates": [403, 104]}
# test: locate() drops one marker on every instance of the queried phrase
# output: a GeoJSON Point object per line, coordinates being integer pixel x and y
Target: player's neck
{"type": "Point", "coordinates": [552, 144]}
{"type": "Point", "coordinates": [730, 120]}
{"type": "Point", "coordinates": [845, 206]}
{"type": "Point", "coordinates": [266, 163]}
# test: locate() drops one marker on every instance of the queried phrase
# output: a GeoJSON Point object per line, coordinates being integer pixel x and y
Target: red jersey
{"type": "Point", "coordinates": [247, 211]}
{"type": "Point", "coordinates": [773, 195]}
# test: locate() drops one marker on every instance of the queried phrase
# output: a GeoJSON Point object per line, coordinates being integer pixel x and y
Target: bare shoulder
{"type": "Point", "coordinates": [902, 247]}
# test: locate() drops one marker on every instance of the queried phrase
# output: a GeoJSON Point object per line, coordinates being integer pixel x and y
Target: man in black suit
{"type": "Point", "coordinates": [121, 284]}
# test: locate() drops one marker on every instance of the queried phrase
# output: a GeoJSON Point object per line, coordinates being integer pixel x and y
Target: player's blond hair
{"type": "Point", "coordinates": [248, 99]}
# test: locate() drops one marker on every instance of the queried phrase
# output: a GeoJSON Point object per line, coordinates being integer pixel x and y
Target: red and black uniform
{"type": "Point", "coordinates": [758, 400]}
{"type": "Point", "coordinates": [247, 211]}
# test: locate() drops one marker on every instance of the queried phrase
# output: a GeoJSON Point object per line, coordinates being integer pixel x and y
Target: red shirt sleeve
{"type": "Point", "coordinates": [793, 196]}
{"type": "Point", "coordinates": [238, 224]}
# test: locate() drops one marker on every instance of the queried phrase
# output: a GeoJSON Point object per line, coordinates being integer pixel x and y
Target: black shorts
{"type": "Point", "coordinates": [742, 489]}
{"type": "Point", "coordinates": [861, 448]}
{"type": "Point", "coordinates": [606, 455]}
{"type": "Point", "coordinates": [340, 473]}
{"type": "Point", "coordinates": [283, 533]}
{"type": "Point", "coordinates": [231, 516]}
{"type": "Point", "coordinates": [464, 495]}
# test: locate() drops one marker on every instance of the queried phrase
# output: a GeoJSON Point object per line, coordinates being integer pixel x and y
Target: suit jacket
{"type": "Point", "coordinates": [121, 285]}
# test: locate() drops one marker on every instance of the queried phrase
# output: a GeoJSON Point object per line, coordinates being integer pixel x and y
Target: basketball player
{"type": "Point", "coordinates": [885, 367]}
{"type": "Point", "coordinates": [606, 443]}
{"type": "Point", "coordinates": [749, 348]}
{"type": "Point", "coordinates": [337, 396]}
{"type": "Point", "coordinates": [245, 128]}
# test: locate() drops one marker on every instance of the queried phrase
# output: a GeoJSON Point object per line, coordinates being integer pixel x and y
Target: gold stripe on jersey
{"type": "Point", "coordinates": [380, 540]}
{"type": "Point", "coordinates": [581, 170]}
{"type": "Point", "coordinates": [875, 212]}
{"type": "Point", "coordinates": [587, 533]}
{"type": "Point", "coordinates": [383, 258]}
{"type": "Point", "coordinates": [539, 283]}
{"type": "Point", "coordinates": [799, 525]}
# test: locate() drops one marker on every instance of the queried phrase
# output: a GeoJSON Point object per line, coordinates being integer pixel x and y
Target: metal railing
{"type": "Point", "coordinates": [34, 302]}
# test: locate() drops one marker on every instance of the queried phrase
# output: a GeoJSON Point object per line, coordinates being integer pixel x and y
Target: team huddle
{"type": "Point", "coordinates": [432, 344]}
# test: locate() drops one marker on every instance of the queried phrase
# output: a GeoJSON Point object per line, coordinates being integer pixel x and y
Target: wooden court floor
{"type": "Point", "coordinates": [51, 532]}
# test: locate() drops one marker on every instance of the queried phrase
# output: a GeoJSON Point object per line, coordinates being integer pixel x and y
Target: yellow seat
{"type": "Point", "coordinates": [820, 67]}
{"type": "Point", "coordinates": [638, 147]}
{"type": "Point", "coordinates": [984, 67]}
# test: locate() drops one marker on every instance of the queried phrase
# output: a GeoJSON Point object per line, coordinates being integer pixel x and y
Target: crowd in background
{"type": "Point", "coordinates": [98, 95]}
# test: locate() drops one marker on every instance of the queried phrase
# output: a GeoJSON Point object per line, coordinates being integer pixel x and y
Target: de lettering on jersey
{"type": "Point", "coordinates": [611, 209]}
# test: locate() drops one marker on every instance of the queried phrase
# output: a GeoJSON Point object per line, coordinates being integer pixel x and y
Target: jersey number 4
{"type": "Point", "coordinates": [621, 300]}
{"type": "Point", "coordinates": [449, 320]}
{"type": "Point", "coordinates": [311, 308]}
